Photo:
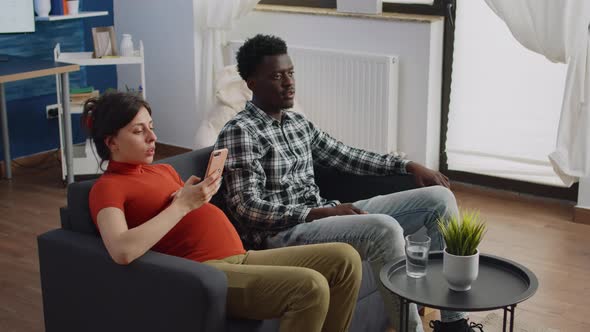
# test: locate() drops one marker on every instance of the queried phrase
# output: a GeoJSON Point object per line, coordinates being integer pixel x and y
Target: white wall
{"type": "Point", "coordinates": [419, 111]}
{"type": "Point", "coordinates": [172, 52]}
{"type": "Point", "coordinates": [584, 193]}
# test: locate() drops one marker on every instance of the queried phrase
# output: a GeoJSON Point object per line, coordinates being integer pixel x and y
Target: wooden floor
{"type": "Point", "coordinates": [535, 232]}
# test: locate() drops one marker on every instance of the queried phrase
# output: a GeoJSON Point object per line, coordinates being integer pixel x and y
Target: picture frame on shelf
{"type": "Point", "coordinates": [105, 42]}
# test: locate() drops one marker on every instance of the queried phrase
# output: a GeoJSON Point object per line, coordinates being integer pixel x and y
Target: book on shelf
{"type": "Point", "coordinates": [81, 90]}
{"type": "Point", "coordinates": [82, 97]}
{"type": "Point", "coordinates": [57, 7]}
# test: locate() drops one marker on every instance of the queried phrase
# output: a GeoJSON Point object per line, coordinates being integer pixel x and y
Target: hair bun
{"type": "Point", "coordinates": [88, 113]}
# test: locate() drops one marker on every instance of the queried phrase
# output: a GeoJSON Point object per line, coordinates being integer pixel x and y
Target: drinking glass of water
{"type": "Point", "coordinates": [417, 249]}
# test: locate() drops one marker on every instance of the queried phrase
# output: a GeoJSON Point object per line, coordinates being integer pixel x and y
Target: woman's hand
{"type": "Point", "coordinates": [195, 192]}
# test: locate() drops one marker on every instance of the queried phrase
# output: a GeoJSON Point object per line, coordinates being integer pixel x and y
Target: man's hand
{"type": "Point", "coordinates": [427, 177]}
{"type": "Point", "coordinates": [338, 210]}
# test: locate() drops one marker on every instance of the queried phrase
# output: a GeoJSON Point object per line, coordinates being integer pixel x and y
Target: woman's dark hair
{"type": "Point", "coordinates": [251, 54]}
{"type": "Point", "coordinates": [104, 116]}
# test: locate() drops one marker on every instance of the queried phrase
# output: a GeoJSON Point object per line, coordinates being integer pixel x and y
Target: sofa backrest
{"type": "Point", "coordinates": [76, 216]}
{"type": "Point", "coordinates": [194, 163]}
{"type": "Point", "coordinates": [189, 163]}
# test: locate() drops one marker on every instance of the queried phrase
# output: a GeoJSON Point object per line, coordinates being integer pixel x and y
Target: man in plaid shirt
{"type": "Point", "coordinates": [269, 180]}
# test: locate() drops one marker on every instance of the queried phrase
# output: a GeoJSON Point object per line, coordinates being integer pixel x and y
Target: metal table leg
{"type": "Point", "coordinates": [5, 137]}
{"type": "Point", "coordinates": [407, 313]}
{"type": "Point", "coordinates": [404, 314]}
{"type": "Point", "coordinates": [510, 309]}
{"type": "Point", "coordinates": [512, 313]}
{"type": "Point", "coordinates": [68, 145]}
{"type": "Point", "coordinates": [504, 322]}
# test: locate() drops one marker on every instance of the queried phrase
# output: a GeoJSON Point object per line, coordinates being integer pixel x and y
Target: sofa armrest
{"type": "Point", "coordinates": [84, 290]}
{"type": "Point", "coordinates": [348, 188]}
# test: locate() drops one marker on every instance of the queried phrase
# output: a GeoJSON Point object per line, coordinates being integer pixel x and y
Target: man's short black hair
{"type": "Point", "coordinates": [250, 55]}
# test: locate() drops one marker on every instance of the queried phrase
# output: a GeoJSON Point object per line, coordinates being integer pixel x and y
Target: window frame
{"type": "Point", "coordinates": [438, 7]}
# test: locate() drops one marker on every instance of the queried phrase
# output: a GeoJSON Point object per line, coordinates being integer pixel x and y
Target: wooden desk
{"type": "Point", "coordinates": [21, 68]}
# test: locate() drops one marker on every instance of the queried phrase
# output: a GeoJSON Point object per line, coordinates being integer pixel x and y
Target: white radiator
{"type": "Point", "coordinates": [351, 96]}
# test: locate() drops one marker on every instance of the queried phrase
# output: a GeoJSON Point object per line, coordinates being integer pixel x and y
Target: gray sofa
{"type": "Point", "coordinates": [84, 290]}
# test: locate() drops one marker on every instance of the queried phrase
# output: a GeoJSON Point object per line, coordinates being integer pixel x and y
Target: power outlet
{"type": "Point", "coordinates": [52, 111]}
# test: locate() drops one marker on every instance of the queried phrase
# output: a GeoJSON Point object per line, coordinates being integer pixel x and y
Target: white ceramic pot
{"type": "Point", "coordinates": [460, 271]}
{"type": "Point", "coordinates": [42, 7]}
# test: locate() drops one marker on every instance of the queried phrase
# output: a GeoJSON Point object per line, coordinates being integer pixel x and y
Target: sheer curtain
{"type": "Point", "coordinates": [505, 101]}
{"type": "Point", "coordinates": [560, 31]}
{"type": "Point", "coordinates": [215, 18]}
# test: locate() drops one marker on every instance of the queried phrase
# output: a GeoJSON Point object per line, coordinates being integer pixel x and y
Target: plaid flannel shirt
{"type": "Point", "coordinates": [269, 181]}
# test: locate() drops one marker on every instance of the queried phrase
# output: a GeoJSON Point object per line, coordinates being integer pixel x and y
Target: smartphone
{"type": "Point", "coordinates": [216, 162]}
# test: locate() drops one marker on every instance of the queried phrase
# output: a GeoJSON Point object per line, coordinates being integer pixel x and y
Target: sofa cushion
{"type": "Point", "coordinates": [368, 282]}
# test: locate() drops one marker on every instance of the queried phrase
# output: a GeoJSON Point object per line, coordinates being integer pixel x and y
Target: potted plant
{"type": "Point", "coordinates": [462, 235]}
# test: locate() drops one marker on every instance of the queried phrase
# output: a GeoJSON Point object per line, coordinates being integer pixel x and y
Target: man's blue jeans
{"type": "Point", "coordinates": [379, 235]}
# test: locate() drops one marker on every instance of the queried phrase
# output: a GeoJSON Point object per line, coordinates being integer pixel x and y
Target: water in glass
{"type": "Point", "coordinates": [417, 251]}
{"type": "Point", "coordinates": [416, 261]}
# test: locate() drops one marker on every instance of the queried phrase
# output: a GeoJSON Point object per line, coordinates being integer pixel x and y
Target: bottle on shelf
{"type": "Point", "coordinates": [126, 45]}
{"type": "Point", "coordinates": [42, 7]}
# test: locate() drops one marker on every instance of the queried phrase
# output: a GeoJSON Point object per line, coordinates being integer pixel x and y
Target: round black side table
{"type": "Point", "coordinates": [501, 284]}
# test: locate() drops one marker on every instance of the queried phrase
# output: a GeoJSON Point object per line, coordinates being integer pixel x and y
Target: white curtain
{"type": "Point", "coordinates": [215, 18]}
{"type": "Point", "coordinates": [505, 101]}
{"type": "Point", "coordinates": [559, 29]}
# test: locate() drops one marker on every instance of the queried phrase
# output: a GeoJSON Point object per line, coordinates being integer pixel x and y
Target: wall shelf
{"type": "Point", "coordinates": [86, 59]}
{"type": "Point", "coordinates": [70, 17]}
{"type": "Point", "coordinates": [85, 160]}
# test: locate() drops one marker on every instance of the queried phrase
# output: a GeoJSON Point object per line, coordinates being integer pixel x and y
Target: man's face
{"type": "Point", "coordinates": [273, 83]}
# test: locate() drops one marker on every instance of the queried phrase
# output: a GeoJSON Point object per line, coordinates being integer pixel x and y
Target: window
{"type": "Point", "coordinates": [504, 108]}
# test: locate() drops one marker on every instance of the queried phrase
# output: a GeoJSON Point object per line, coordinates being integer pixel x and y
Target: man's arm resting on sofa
{"type": "Point", "coordinates": [84, 290]}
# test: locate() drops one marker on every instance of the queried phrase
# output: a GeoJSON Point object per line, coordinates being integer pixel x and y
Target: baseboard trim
{"type": "Point", "coordinates": [581, 215]}
{"type": "Point", "coordinates": [507, 194]}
